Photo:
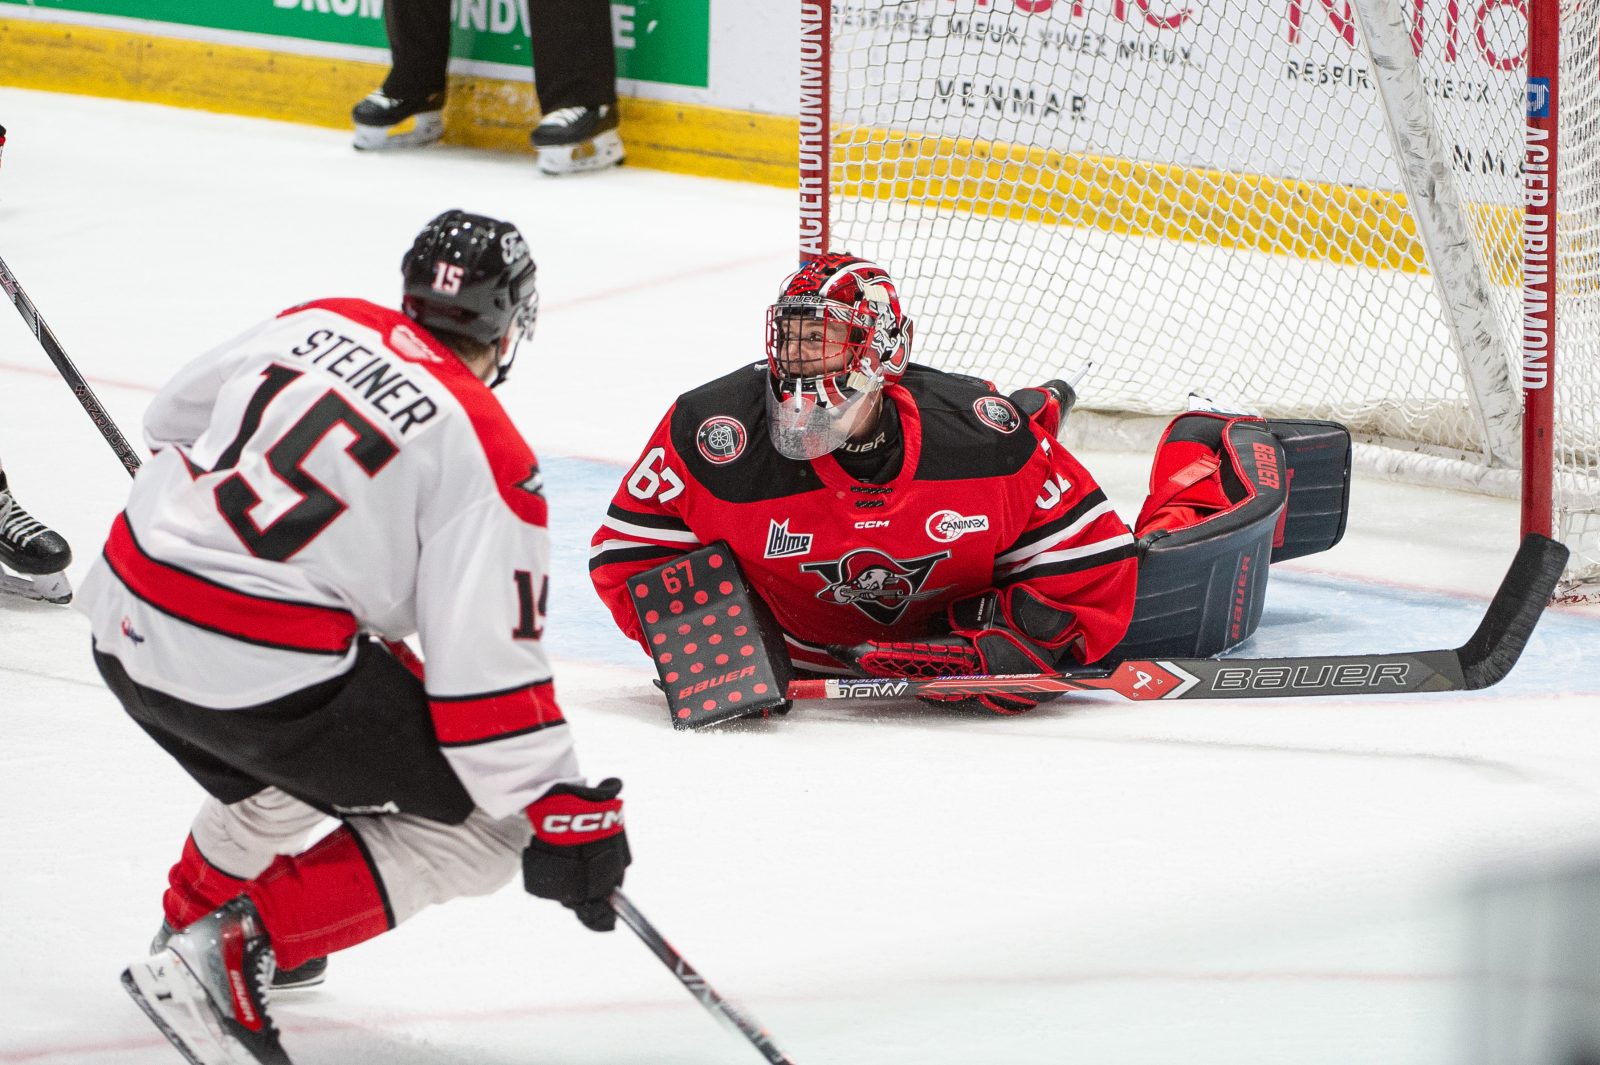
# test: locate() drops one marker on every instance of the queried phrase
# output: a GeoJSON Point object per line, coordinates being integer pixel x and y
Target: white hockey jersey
{"type": "Point", "coordinates": [336, 470]}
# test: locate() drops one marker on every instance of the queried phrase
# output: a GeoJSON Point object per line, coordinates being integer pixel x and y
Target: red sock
{"type": "Point", "coordinates": [198, 887]}
{"type": "Point", "coordinates": [321, 901]}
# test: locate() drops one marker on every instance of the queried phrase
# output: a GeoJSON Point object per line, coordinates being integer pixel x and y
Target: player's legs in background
{"type": "Point", "coordinates": [575, 74]}
{"type": "Point", "coordinates": [408, 110]}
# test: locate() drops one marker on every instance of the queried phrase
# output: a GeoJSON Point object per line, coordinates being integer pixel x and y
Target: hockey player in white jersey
{"type": "Point", "coordinates": [339, 475]}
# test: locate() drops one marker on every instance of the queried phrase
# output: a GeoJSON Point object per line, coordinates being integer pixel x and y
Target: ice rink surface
{"type": "Point", "coordinates": [1256, 882]}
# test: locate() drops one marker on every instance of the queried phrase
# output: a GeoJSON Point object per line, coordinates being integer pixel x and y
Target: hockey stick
{"type": "Point", "coordinates": [80, 387]}
{"type": "Point", "coordinates": [1483, 660]}
{"type": "Point", "coordinates": [714, 1003]}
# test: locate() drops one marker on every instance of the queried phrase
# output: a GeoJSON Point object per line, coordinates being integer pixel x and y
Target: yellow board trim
{"type": "Point", "coordinates": [1283, 216]}
{"type": "Point", "coordinates": [1363, 227]}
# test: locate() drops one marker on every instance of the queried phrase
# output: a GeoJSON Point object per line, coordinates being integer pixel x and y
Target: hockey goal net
{"type": "Point", "coordinates": [1311, 208]}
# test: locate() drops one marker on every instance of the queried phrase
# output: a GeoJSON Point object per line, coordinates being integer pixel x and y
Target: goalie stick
{"type": "Point", "coordinates": [696, 985]}
{"type": "Point", "coordinates": [80, 388]}
{"type": "Point", "coordinates": [1483, 660]}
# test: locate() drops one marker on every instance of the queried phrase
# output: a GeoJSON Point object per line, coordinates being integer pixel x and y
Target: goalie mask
{"type": "Point", "coordinates": [473, 276]}
{"type": "Point", "coordinates": [835, 336]}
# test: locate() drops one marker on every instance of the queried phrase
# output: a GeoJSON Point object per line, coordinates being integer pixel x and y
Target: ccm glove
{"type": "Point", "coordinates": [980, 643]}
{"type": "Point", "coordinates": [579, 850]}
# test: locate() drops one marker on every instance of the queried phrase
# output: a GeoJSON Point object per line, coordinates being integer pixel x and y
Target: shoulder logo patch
{"type": "Point", "coordinates": [406, 342]}
{"type": "Point", "coordinates": [721, 439]}
{"type": "Point", "coordinates": [533, 484]}
{"type": "Point", "coordinates": [997, 413]}
{"type": "Point", "coordinates": [946, 526]}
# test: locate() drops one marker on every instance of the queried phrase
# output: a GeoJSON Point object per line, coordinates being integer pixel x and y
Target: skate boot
{"type": "Point", "coordinates": [383, 122]}
{"type": "Point", "coordinates": [207, 991]}
{"type": "Point", "coordinates": [307, 974]}
{"type": "Point", "coordinates": [574, 140]}
{"type": "Point", "coordinates": [35, 552]}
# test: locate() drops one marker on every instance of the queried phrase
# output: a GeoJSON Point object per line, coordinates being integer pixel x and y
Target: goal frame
{"type": "Point", "coordinates": [1517, 432]}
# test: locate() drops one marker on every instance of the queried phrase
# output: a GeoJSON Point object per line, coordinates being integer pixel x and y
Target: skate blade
{"type": "Point", "coordinates": [422, 128]}
{"type": "Point", "coordinates": [173, 999]}
{"type": "Point", "coordinates": [50, 588]}
{"type": "Point", "coordinates": [599, 152]}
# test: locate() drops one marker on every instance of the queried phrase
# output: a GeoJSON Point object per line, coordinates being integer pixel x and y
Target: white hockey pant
{"type": "Point", "coordinates": [418, 862]}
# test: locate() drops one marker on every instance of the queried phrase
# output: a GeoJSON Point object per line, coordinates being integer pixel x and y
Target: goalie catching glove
{"type": "Point", "coordinates": [579, 851]}
{"type": "Point", "coordinates": [995, 633]}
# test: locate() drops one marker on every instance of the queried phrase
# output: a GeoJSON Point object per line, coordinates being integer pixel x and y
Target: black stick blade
{"type": "Point", "coordinates": [1491, 652]}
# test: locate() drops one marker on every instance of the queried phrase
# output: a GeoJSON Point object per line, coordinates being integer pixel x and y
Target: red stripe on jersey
{"type": "Point", "coordinates": [187, 597]}
{"type": "Point", "coordinates": [479, 718]}
{"type": "Point", "coordinates": [511, 461]}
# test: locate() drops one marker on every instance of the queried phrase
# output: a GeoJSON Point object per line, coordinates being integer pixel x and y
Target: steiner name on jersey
{"type": "Point", "coordinates": [380, 380]}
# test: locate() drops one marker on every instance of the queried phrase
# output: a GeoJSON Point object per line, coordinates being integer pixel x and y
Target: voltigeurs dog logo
{"type": "Point", "coordinates": [721, 439]}
{"type": "Point", "coordinates": [946, 526]}
{"type": "Point", "coordinates": [997, 413]}
{"type": "Point", "coordinates": [875, 584]}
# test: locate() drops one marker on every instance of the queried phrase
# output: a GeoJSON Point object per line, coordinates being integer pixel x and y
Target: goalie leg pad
{"type": "Point", "coordinates": [1218, 495]}
{"type": "Point", "coordinates": [717, 650]}
{"type": "Point", "coordinates": [1317, 460]}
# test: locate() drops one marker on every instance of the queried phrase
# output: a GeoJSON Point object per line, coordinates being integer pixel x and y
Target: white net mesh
{"type": "Point", "coordinates": [1201, 195]}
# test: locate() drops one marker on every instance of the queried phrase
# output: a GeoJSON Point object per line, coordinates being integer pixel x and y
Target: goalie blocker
{"type": "Point", "coordinates": [718, 652]}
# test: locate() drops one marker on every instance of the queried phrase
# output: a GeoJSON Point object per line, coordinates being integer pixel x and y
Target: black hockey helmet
{"type": "Point", "coordinates": [473, 275]}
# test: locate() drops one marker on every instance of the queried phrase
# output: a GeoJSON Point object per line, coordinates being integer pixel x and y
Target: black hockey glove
{"type": "Point", "coordinates": [981, 642]}
{"type": "Point", "coordinates": [579, 850]}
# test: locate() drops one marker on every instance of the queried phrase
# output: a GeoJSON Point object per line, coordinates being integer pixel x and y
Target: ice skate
{"type": "Point", "coordinates": [383, 122]}
{"type": "Point", "coordinates": [36, 555]}
{"type": "Point", "coordinates": [575, 140]}
{"type": "Point", "coordinates": [207, 991]}
{"type": "Point", "coordinates": [308, 974]}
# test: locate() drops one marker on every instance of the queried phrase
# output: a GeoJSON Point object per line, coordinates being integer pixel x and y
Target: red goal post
{"type": "Point", "coordinates": [1313, 209]}
{"type": "Point", "coordinates": [1539, 235]}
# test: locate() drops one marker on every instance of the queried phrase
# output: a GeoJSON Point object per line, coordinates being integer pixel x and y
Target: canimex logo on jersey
{"type": "Point", "coordinates": [879, 586]}
{"type": "Point", "coordinates": [947, 525]}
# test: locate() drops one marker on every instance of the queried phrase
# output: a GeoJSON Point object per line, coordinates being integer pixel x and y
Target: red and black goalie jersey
{"type": "Point", "coordinates": [983, 499]}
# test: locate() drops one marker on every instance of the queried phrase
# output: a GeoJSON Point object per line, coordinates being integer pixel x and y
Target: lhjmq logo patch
{"type": "Point", "coordinates": [721, 439]}
{"type": "Point", "coordinates": [997, 413]}
{"type": "Point", "coordinates": [781, 543]}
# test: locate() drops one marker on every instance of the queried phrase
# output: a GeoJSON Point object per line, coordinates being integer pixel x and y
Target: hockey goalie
{"type": "Point", "coordinates": [849, 512]}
